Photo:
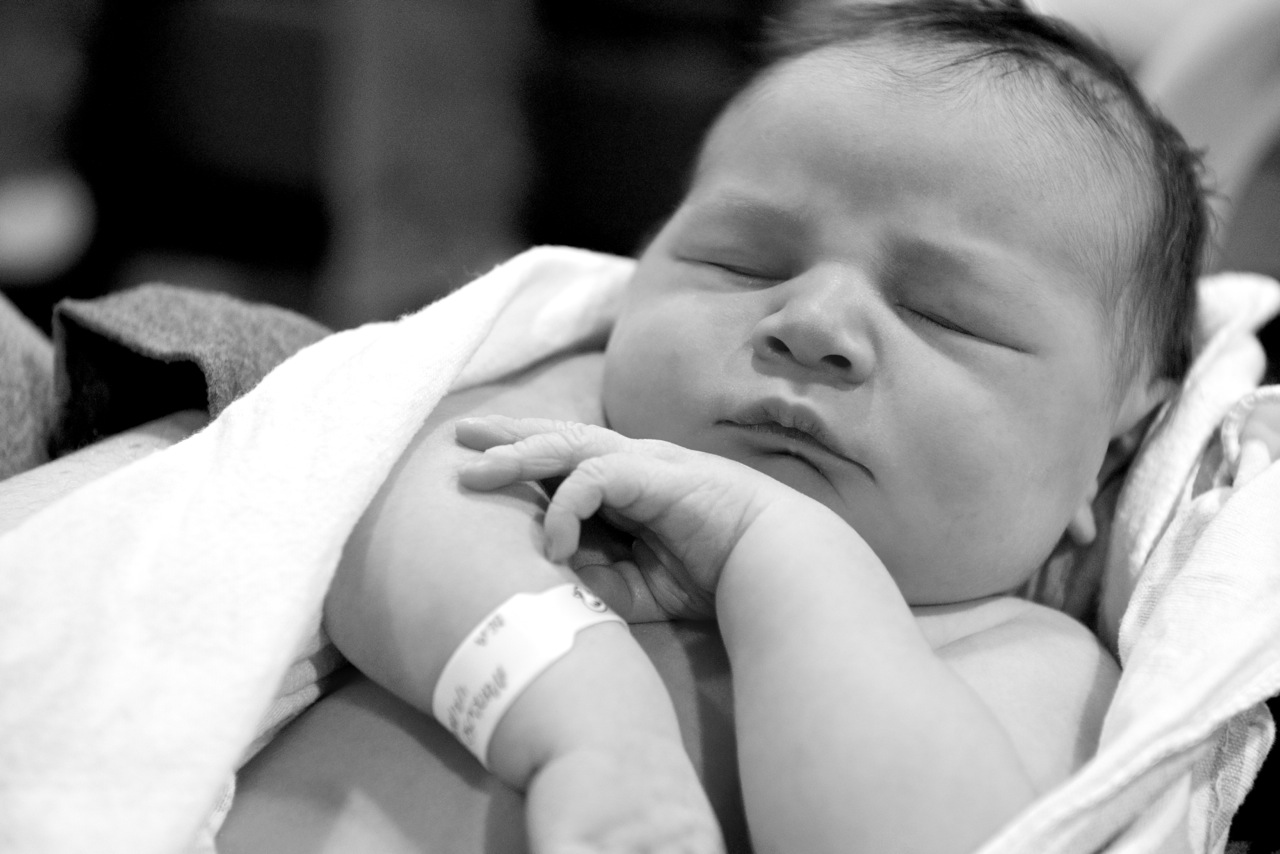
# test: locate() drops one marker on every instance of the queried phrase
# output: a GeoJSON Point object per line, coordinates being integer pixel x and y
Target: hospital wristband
{"type": "Point", "coordinates": [510, 648]}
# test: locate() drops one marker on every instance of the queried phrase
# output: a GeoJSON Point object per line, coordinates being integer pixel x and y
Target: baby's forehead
{"type": "Point", "coordinates": [1071, 100]}
{"type": "Point", "coordinates": [1048, 136]}
{"type": "Point", "coordinates": [1082, 205]}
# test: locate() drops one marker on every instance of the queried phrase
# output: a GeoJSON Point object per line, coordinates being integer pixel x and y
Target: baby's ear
{"type": "Point", "coordinates": [1083, 527]}
{"type": "Point", "coordinates": [1132, 421]}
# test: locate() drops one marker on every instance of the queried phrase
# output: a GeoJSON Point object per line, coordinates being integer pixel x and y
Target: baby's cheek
{"type": "Point", "coordinates": [1000, 485]}
{"type": "Point", "coordinates": [641, 381]}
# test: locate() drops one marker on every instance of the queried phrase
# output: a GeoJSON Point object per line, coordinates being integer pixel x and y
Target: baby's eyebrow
{"type": "Point", "coordinates": [986, 268]}
{"type": "Point", "coordinates": [917, 255]}
{"type": "Point", "coordinates": [750, 211]}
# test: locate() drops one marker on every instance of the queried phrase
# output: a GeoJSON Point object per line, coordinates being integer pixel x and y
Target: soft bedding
{"type": "Point", "coordinates": [156, 619]}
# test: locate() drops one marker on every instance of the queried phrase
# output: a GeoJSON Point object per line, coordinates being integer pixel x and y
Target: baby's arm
{"type": "Point", "coordinates": [837, 690]}
{"type": "Point", "coordinates": [594, 739]}
{"type": "Point", "coordinates": [861, 725]}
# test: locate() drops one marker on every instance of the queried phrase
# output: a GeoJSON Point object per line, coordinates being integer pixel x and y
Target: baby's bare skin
{"type": "Point", "coordinates": [364, 771]}
{"type": "Point", "coordinates": [864, 367]}
{"type": "Point", "coordinates": [960, 632]}
{"type": "Point", "coordinates": [690, 660]}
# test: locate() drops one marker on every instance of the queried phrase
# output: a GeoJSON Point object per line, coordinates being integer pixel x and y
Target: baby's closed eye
{"type": "Point", "coordinates": [935, 319]}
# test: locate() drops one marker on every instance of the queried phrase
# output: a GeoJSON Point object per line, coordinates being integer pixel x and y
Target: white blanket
{"type": "Point", "coordinates": [148, 619]}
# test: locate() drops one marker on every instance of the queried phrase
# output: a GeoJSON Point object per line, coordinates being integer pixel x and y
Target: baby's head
{"type": "Point", "coordinates": [1058, 80]}
{"type": "Point", "coordinates": [931, 263]}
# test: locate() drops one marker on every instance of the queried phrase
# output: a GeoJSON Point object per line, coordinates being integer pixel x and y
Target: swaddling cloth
{"type": "Point", "coordinates": [150, 616]}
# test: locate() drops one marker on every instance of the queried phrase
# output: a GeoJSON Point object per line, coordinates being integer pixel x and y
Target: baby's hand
{"type": "Point", "coordinates": [687, 509]}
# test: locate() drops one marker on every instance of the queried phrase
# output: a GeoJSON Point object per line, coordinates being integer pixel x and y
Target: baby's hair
{"type": "Point", "coordinates": [972, 38]}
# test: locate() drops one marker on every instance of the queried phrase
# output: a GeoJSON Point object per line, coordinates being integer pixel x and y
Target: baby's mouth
{"type": "Point", "coordinates": [791, 432]}
{"type": "Point", "coordinates": [795, 434]}
{"type": "Point", "coordinates": [781, 440]}
{"type": "Point", "coordinates": [770, 440]}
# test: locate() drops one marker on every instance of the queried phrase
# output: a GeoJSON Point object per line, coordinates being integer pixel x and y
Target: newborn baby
{"type": "Point", "coordinates": [932, 263]}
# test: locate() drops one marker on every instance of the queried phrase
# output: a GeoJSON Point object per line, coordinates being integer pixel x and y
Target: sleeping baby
{"type": "Point", "coordinates": [934, 264]}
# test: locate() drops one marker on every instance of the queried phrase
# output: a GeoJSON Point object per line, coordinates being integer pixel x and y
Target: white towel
{"type": "Point", "coordinates": [148, 619]}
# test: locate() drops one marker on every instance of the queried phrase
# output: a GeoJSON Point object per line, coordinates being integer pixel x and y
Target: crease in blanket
{"type": "Point", "coordinates": [1181, 744]}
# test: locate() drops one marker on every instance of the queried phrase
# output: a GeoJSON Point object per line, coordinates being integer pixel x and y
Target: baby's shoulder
{"type": "Point", "coordinates": [1002, 616]}
{"type": "Point", "coordinates": [1042, 673]}
{"type": "Point", "coordinates": [1004, 629]}
{"type": "Point", "coordinates": [566, 388]}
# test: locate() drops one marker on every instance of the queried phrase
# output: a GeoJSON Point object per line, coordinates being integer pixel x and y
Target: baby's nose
{"type": "Point", "coordinates": [836, 363]}
{"type": "Point", "coordinates": [822, 326]}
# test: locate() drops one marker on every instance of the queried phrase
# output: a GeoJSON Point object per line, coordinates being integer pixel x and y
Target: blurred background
{"type": "Point", "coordinates": [354, 160]}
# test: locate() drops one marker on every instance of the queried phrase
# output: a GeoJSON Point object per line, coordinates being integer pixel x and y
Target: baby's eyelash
{"type": "Point", "coordinates": [741, 272]}
{"type": "Point", "coordinates": [742, 276]}
{"type": "Point", "coordinates": [941, 323]}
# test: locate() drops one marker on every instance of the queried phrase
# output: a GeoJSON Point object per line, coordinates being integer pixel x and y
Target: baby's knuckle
{"type": "Point", "coordinates": [576, 432]}
{"type": "Point", "coordinates": [598, 469]}
{"type": "Point", "coordinates": [662, 450]}
{"type": "Point", "coordinates": [527, 426]}
{"type": "Point", "coordinates": [559, 444]}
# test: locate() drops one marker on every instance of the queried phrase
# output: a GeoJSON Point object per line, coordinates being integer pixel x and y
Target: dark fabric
{"type": "Point", "coordinates": [1256, 822]}
{"type": "Point", "coordinates": [26, 392]}
{"type": "Point", "coordinates": [130, 357]}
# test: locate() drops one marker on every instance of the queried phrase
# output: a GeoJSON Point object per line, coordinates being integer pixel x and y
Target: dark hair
{"type": "Point", "coordinates": [982, 34]}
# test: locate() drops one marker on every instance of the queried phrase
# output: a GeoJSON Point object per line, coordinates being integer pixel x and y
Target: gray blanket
{"type": "Point", "coordinates": [127, 358]}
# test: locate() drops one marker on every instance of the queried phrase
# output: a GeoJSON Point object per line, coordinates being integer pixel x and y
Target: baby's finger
{"type": "Point", "coordinates": [549, 455]}
{"type": "Point", "coordinates": [613, 480]}
{"type": "Point", "coordinates": [545, 454]}
{"type": "Point", "coordinates": [617, 520]}
{"type": "Point", "coordinates": [480, 434]}
{"type": "Point", "coordinates": [675, 594]}
{"type": "Point", "coordinates": [483, 432]}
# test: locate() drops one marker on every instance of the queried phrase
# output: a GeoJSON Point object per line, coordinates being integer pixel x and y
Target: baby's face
{"type": "Point", "coordinates": [892, 306]}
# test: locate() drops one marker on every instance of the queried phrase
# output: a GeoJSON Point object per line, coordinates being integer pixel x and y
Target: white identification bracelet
{"type": "Point", "coordinates": [508, 650]}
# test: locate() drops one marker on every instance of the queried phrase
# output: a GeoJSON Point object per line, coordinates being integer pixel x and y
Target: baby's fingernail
{"type": "Point", "coordinates": [555, 550]}
{"type": "Point", "coordinates": [482, 474]}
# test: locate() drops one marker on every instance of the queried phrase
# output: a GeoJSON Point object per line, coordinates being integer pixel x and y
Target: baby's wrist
{"type": "Point", "coordinates": [603, 692]}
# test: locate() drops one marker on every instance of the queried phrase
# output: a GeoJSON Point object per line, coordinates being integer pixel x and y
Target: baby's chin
{"type": "Point", "coordinates": [795, 472]}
